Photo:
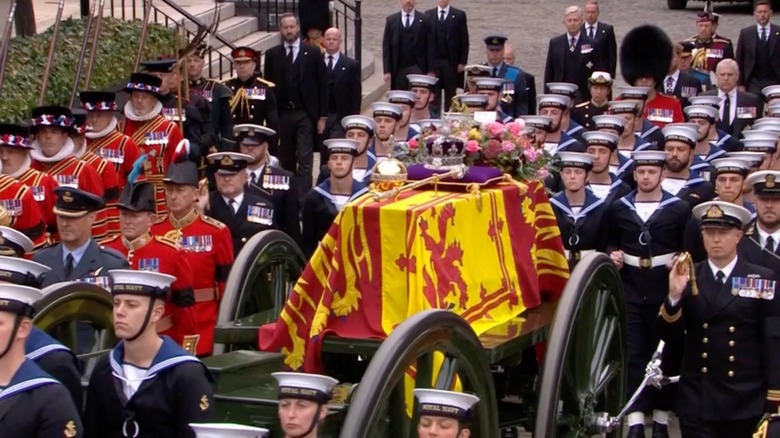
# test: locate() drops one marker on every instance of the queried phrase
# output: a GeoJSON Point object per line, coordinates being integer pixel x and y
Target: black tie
{"type": "Point", "coordinates": [763, 34]}
{"type": "Point", "coordinates": [727, 111]}
{"type": "Point", "coordinates": [495, 72]}
{"type": "Point", "coordinates": [68, 265]}
{"type": "Point", "coordinates": [590, 32]}
{"type": "Point", "coordinates": [290, 54]}
{"type": "Point", "coordinates": [233, 206]}
{"type": "Point", "coordinates": [408, 21]}
{"type": "Point", "coordinates": [670, 85]}
{"type": "Point", "coordinates": [330, 66]}
{"type": "Point", "coordinates": [252, 178]}
{"type": "Point", "coordinates": [441, 17]}
{"type": "Point", "coordinates": [721, 277]}
{"type": "Point", "coordinates": [769, 245]}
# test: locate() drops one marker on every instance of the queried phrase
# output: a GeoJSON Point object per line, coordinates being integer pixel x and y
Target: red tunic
{"type": "Point", "coordinates": [119, 149]}
{"type": "Point", "coordinates": [209, 249]}
{"type": "Point", "coordinates": [158, 254]}
{"type": "Point", "coordinates": [42, 186]}
{"type": "Point", "coordinates": [157, 138]}
{"type": "Point", "coordinates": [663, 110]}
{"type": "Point", "coordinates": [21, 211]}
{"type": "Point", "coordinates": [111, 189]}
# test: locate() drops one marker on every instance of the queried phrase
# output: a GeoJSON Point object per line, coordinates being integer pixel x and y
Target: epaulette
{"type": "Point", "coordinates": [166, 241]}
{"type": "Point", "coordinates": [211, 221]}
{"type": "Point", "coordinates": [113, 252]}
{"type": "Point", "coordinates": [268, 84]}
{"type": "Point", "coordinates": [721, 40]}
{"type": "Point", "coordinates": [749, 231]}
{"type": "Point", "coordinates": [110, 239]}
{"type": "Point", "coordinates": [161, 219]}
{"type": "Point", "coordinates": [582, 105]}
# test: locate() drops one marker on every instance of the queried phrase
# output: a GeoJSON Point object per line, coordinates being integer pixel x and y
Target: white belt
{"type": "Point", "coordinates": [647, 263]}
{"type": "Point", "coordinates": [577, 254]}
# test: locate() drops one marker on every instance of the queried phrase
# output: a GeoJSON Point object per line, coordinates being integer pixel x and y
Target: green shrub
{"type": "Point", "coordinates": [114, 62]}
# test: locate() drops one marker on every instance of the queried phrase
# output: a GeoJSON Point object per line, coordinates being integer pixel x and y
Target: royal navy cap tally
{"type": "Point", "coordinates": [760, 134]}
{"type": "Point", "coordinates": [18, 299]}
{"type": "Point", "coordinates": [754, 158]}
{"type": "Point", "coordinates": [685, 132]}
{"type": "Point", "coordinates": [227, 430]}
{"type": "Point", "coordinates": [600, 78]}
{"type": "Point", "coordinates": [139, 196]}
{"type": "Point", "coordinates": [633, 92]}
{"type": "Point", "coordinates": [495, 41]}
{"type": "Point", "coordinates": [731, 165]}
{"type": "Point", "coordinates": [609, 121]}
{"type": "Point", "coordinates": [489, 84]}
{"type": "Point", "coordinates": [55, 116]}
{"type": "Point", "coordinates": [98, 101]}
{"type": "Point", "coordinates": [402, 97]}
{"type": "Point", "coordinates": [649, 158]}
{"type": "Point", "coordinates": [771, 91]}
{"type": "Point", "coordinates": [575, 159]}
{"type": "Point", "coordinates": [767, 124]}
{"type": "Point", "coordinates": [773, 110]}
{"type": "Point", "coordinates": [701, 112]}
{"type": "Point", "coordinates": [252, 135]}
{"type": "Point", "coordinates": [243, 54]}
{"type": "Point", "coordinates": [713, 101]}
{"type": "Point", "coordinates": [73, 202]}
{"type": "Point", "coordinates": [359, 122]}
{"type": "Point", "coordinates": [722, 214]}
{"type": "Point", "coordinates": [450, 404]}
{"type": "Point", "coordinates": [144, 283]}
{"type": "Point", "coordinates": [762, 145]}
{"type": "Point", "coordinates": [18, 270]}
{"type": "Point", "coordinates": [765, 183]}
{"type": "Point", "coordinates": [14, 242]}
{"type": "Point", "coordinates": [544, 123]}
{"type": "Point", "coordinates": [386, 109]}
{"type": "Point", "coordinates": [144, 82]}
{"type": "Point", "coordinates": [313, 387]}
{"type": "Point", "coordinates": [563, 88]}
{"type": "Point", "coordinates": [553, 101]}
{"type": "Point", "coordinates": [229, 163]}
{"type": "Point", "coordinates": [341, 146]}
{"type": "Point", "coordinates": [15, 135]}
{"type": "Point", "coordinates": [423, 81]}
{"type": "Point", "coordinates": [623, 106]}
{"type": "Point", "coordinates": [600, 138]}
{"type": "Point", "coordinates": [473, 100]}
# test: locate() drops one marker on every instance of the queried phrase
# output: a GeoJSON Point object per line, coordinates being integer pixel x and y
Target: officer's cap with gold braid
{"type": "Point", "coordinates": [73, 202]}
{"type": "Point", "coordinates": [450, 404]}
{"type": "Point", "coordinates": [342, 146]}
{"type": "Point", "coordinates": [18, 299]}
{"type": "Point", "coordinates": [731, 165]}
{"type": "Point", "coordinates": [600, 138]}
{"type": "Point", "coordinates": [243, 54]}
{"type": "Point", "coordinates": [477, 70]}
{"type": "Point", "coordinates": [765, 183]}
{"type": "Point", "coordinates": [143, 283]}
{"type": "Point", "coordinates": [649, 158]}
{"type": "Point", "coordinates": [17, 270]}
{"type": "Point", "coordinates": [248, 134]}
{"type": "Point", "coordinates": [683, 132]}
{"type": "Point", "coordinates": [229, 163]}
{"type": "Point", "coordinates": [705, 112]}
{"type": "Point", "coordinates": [553, 101]}
{"type": "Point", "coordinates": [14, 242]}
{"type": "Point", "coordinates": [386, 109]}
{"type": "Point", "coordinates": [623, 107]}
{"type": "Point", "coordinates": [401, 97]}
{"type": "Point", "coordinates": [226, 430]}
{"type": "Point", "coordinates": [713, 101]}
{"type": "Point", "coordinates": [722, 214]}
{"type": "Point", "coordinates": [140, 196]}
{"type": "Point", "coordinates": [304, 386]}
{"type": "Point", "coordinates": [563, 88]}
{"type": "Point", "coordinates": [489, 84]}
{"type": "Point", "coordinates": [422, 81]}
{"type": "Point", "coordinates": [15, 135]}
{"type": "Point", "coordinates": [359, 122]}
{"type": "Point", "coordinates": [610, 121]}
{"type": "Point", "coordinates": [600, 78]}
{"type": "Point", "coordinates": [578, 160]}
{"type": "Point", "coordinates": [544, 123]}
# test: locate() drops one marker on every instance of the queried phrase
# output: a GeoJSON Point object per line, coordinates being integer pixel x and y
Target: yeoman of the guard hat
{"type": "Point", "coordinates": [646, 52]}
{"type": "Point", "coordinates": [144, 82]}
{"type": "Point", "coordinates": [720, 214]}
{"type": "Point", "coordinates": [18, 270]}
{"type": "Point", "coordinates": [15, 135]}
{"type": "Point", "coordinates": [342, 146]}
{"type": "Point", "coordinates": [248, 134]}
{"type": "Point", "coordinates": [450, 404]}
{"type": "Point", "coordinates": [79, 123]}
{"type": "Point", "coordinates": [54, 116]}
{"type": "Point", "coordinates": [138, 197]}
{"type": "Point", "coordinates": [74, 203]}
{"type": "Point", "coordinates": [229, 163]}
{"type": "Point", "coordinates": [765, 183]}
{"type": "Point", "coordinates": [577, 160]}
{"type": "Point", "coordinates": [18, 300]}
{"type": "Point", "coordinates": [142, 283]}
{"type": "Point", "coordinates": [14, 243]}
{"type": "Point", "coordinates": [98, 101]}
{"type": "Point", "coordinates": [227, 430]}
{"type": "Point", "coordinates": [314, 387]}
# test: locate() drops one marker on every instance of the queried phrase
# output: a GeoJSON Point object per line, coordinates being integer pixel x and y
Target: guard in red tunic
{"type": "Point", "coordinates": [157, 254]}
{"type": "Point", "coordinates": [103, 167]}
{"type": "Point", "coordinates": [157, 137]}
{"type": "Point", "coordinates": [52, 153]}
{"type": "Point", "coordinates": [206, 241]}
{"type": "Point", "coordinates": [104, 139]}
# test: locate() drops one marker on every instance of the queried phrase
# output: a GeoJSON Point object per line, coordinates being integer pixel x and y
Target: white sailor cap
{"type": "Point", "coordinates": [553, 101]}
{"type": "Point", "coordinates": [754, 158]}
{"type": "Point", "coordinates": [760, 134]}
{"type": "Point", "coordinates": [600, 78]}
{"type": "Point", "coordinates": [765, 183]}
{"type": "Point", "coordinates": [767, 124]}
{"type": "Point", "coordinates": [713, 101]}
{"type": "Point", "coordinates": [473, 100]}
{"type": "Point", "coordinates": [17, 270]}
{"type": "Point", "coordinates": [600, 138]}
{"type": "Point", "coordinates": [227, 430]}
{"type": "Point", "coordinates": [15, 241]}
{"type": "Point", "coordinates": [722, 214]}
{"type": "Point", "coordinates": [430, 123]}
{"type": "Point", "coordinates": [575, 159]}
{"type": "Point", "coordinates": [623, 106]}
{"type": "Point", "coordinates": [229, 163]}
{"type": "Point", "coordinates": [563, 88]}
{"type": "Point", "coordinates": [342, 146]}
{"type": "Point", "coordinates": [489, 84]}
{"type": "Point", "coordinates": [314, 387]}
{"type": "Point", "coordinates": [438, 403]}
{"type": "Point", "coordinates": [359, 122]}
{"type": "Point", "coordinates": [687, 133]}
{"type": "Point", "coordinates": [386, 109]}
{"type": "Point", "coordinates": [456, 117]}
{"type": "Point", "coordinates": [761, 145]}
{"type": "Point", "coordinates": [773, 110]}
{"type": "Point", "coordinates": [144, 283]}
{"type": "Point", "coordinates": [649, 158]}
{"type": "Point", "coordinates": [544, 123]}
{"type": "Point", "coordinates": [701, 112]}
{"type": "Point", "coordinates": [610, 121]}
{"type": "Point", "coordinates": [731, 165]}
{"type": "Point", "coordinates": [18, 299]}
{"type": "Point", "coordinates": [631, 92]}
{"type": "Point", "coordinates": [423, 81]}
{"type": "Point", "coordinates": [401, 97]}
{"type": "Point", "coordinates": [771, 91]}
{"type": "Point", "coordinates": [252, 135]}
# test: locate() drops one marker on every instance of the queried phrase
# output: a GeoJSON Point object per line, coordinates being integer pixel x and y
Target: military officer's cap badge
{"type": "Point", "coordinates": [226, 161]}
{"type": "Point", "coordinates": [67, 197]}
{"type": "Point", "coordinates": [714, 212]}
{"type": "Point", "coordinates": [770, 181]}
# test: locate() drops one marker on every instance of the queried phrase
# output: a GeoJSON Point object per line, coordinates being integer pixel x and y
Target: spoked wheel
{"type": "Point", "coordinates": [585, 366]}
{"type": "Point", "coordinates": [259, 283]}
{"type": "Point", "coordinates": [378, 408]}
{"type": "Point", "coordinates": [80, 316]}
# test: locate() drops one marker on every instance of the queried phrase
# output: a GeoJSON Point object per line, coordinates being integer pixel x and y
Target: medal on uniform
{"type": "Point", "coordinates": [12, 206]}
{"type": "Point", "coordinates": [688, 91]}
{"type": "Point", "coordinates": [67, 180]}
{"type": "Point", "coordinates": [715, 53]}
{"type": "Point", "coordinates": [101, 281]}
{"type": "Point", "coordinates": [207, 94]}
{"type": "Point", "coordinates": [285, 182]}
{"type": "Point", "coordinates": [266, 181]}
{"type": "Point", "coordinates": [112, 155]}
{"type": "Point", "coordinates": [39, 193]}
{"type": "Point", "coordinates": [152, 265]}
{"type": "Point", "coordinates": [255, 93]}
{"type": "Point", "coordinates": [207, 243]}
{"type": "Point", "coordinates": [662, 115]}
{"type": "Point", "coordinates": [260, 215]}
{"type": "Point", "coordinates": [746, 112]}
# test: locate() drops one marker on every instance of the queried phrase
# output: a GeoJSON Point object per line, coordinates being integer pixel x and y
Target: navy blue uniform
{"type": "Point", "coordinates": [58, 361]}
{"type": "Point", "coordinates": [583, 232]}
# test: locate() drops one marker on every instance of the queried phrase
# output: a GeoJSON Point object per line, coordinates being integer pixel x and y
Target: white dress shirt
{"type": "Point", "coordinates": [403, 17]}
{"type": "Point", "coordinates": [594, 26]}
{"type": "Point", "coordinates": [569, 37]}
{"type": "Point", "coordinates": [446, 12]}
{"type": "Point", "coordinates": [675, 77]}
{"type": "Point", "coordinates": [239, 199]}
{"type": "Point", "coordinates": [732, 104]}
{"type": "Point", "coordinates": [296, 48]}
{"type": "Point", "coordinates": [726, 269]}
{"type": "Point", "coordinates": [766, 31]}
{"type": "Point", "coordinates": [763, 235]}
{"type": "Point", "coordinates": [335, 58]}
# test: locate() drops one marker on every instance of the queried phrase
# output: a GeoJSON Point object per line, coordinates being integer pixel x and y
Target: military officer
{"type": "Point", "coordinates": [557, 106]}
{"type": "Point", "coordinates": [302, 402]}
{"type": "Point", "coordinates": [761, 243]}
{"type": "Point", "coordinates": [491, 87]}
{"type": "Point", "coordinates": [360, 129]}
{"type": "Point", "coordinates": [386, 116]}
{"type": "Point", "coordinates": [245, 214]}
{"type": "Point", "coordinates": [646, 229]}
{"type": "Point", "coordinates": [147, 385]}
{"type": "Point", "coordinates": [602, 182]}
{"type": "Point", "coordinates": [648, 132]}
{"type": "Point", "coordinates": [708, 48]}
{"type": "Point", "coordinates": [579, 212]}
{"type": "Point", "coordinates": [727, 312]}
{"type": "Point", "coordinates": [515, 92]}
{"type": "Point", "coordinates": [269, 181]}
{"type": "Point", "coordinates": [218, 96]}
{"type": "Point", "coordinates": [404, 99]}
{"type": "Point", "coordinates": [78, 256]}
{"type": "Point", "coordinates": [254, 100]}
{"type": "Point", "coordinates": [679, 180]}
{"type": "Point", "coordinates": [600, 85]}
{"type": "Point", "coordinates": [444, 414]}
{"type": "Point", "coordinates": [571, 126]}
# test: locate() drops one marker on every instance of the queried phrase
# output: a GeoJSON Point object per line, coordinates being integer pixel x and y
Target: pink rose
{"type": "Point", "coordinates": [530, 154]}
{"type": "Point", "coordinates": [514, 128]}
{"type": "Point", "coordinates": [508, 146]}
{"type": "Point", "coordinates": [542, 173]}
{"type": "Point", "coordinates": [495, 129]}
{"type": "Point", "coordinates": [472, 146]}
{"type": "Point", "coordinates": [493, 149]}
{"type": "Point", "coordinates": [413, 144]}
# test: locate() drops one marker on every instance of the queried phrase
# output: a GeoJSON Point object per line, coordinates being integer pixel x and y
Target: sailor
{"type": "Point", "coordinates": [386, 116]}
{"type": "Point", "coordinates": [268, 180]}
{"type": "Point", "coordinates": [244, 213]}
{"type": "Point", "coordinates": [360, 129]}
{"type": "Point", "coordinates": [773, 110]}
{"type": "Point", "coordinates": [557, 106]}
{"type": "Point", "coordinates": [630, 140]}
{"type": "Point", "coordinates": [541, 125]}
{"type": "Point", "coordinates": [78, 256]}
{"type": "Point", "coordinates": [726, 310]}
{"type": "Point", "coordinates": [764, 142]}
{"type": "Point", "coordinates": [719, 137]}
{"type": "Point", "coordinates": [761, 243]}
{"type": "Point", "coordinates": [227, 430]}
{"type": "Point", "coordinates": [600, 86]}
{"type": "Point", "coordinates": [619, 165]}
{"type": "Point", "coordinates": [254, 99]}
{"type": "Point", "coordinates": [679, 179]}
{"type": "Point", "coordinates": [444, 414]}
{"type": "Point", "coordinates": [705, 150]}
{"type": "Point", "coordinates": [147, 385]}
{"type": "Point", "coordinates": [471, 103]}
{"type": "Point", "coordinates": [303, 402]}
{"type": "Point", "coordinates": [328, 198]}
{"type": "Point", "coordinates": [646, 129]}
{"type": "Point", "coordinates": [579, 212]}
{"type": "Point", "coordinates": [404, 99]}
{"type": "Point", "coordinates": [145, 252]}
{"type": "Point", "coordinates": [104, 139]}
{"type": "Point", "coordinates": [602, 181]}
{"type": "Point", "coordinates": [771, 95]}
{"type": "Point", "coordinates": [424, 88]}
{"type": "Point", "coordinates": [206, 242]}
{"type": "Point", "coordinates": [729, 177]}
{"type": "Point", "coordinates": [32, 403]}
{"type": "Point", "coordinates": [708, 47]}
{"type": "Point", "coordinates": [473, 72]}
{"type": "Point", "coordinates": [569, 125]}
{"type": "Point", "coordinates": [216, 94]}
{"type": "Point", "coordinates": [491, 87]}
{"type": "Point", "coordinates": [515, 94]}
{"type": "Point", "coordinates": [646, 230]}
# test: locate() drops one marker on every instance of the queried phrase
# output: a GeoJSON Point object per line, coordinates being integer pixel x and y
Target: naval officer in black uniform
{"type": "Point", "coordinates": [147, 385]}
{"type": "Point", "coordinates": [727, 312]}
{"type": "Point", "coordinates": [32, 403]}
{"type": "Point", "coordinates": [600, 85]}
{"type": "Point", "coordinates": [761, 243]}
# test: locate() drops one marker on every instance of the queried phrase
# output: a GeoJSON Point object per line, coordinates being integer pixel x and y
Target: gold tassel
{"type": "Point", "coordinates": [685, 257]}
{"type": "Point", "coordinates": [523, 188]}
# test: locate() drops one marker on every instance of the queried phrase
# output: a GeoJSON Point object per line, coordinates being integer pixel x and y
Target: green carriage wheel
{"type": "Point", "coordinates": [259, 283]}
{"type": "Point", "coordinates": [378, 407]}
{"type": "Point", "coordinates": [584, 370]}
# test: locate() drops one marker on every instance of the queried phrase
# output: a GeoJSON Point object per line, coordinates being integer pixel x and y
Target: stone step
{"type": "Point", "coordinates": [234, 29]}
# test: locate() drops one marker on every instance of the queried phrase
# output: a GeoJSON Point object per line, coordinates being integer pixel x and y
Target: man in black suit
{"type": "Point", "coordinates": [451, 36]}
{"type": "Point", "coordinates": [573, 56]}
{"type": "Point", "coordinates": [407, 45]}
{"type": "Point", "coordinates": [344, 76]}
{"type": "Point", "coordinates": [679, 83]}
{"type": "Point", "coordinates": [738, 109]}
{"type": "Point", "coordinates": [603, 33]}
{"type": "Point", "coordinates": [757, 52]}
{"type": "Point", "coordinates": [299, 72]}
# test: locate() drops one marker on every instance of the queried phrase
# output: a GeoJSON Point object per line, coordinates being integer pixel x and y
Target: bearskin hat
{"type": "Point", "coordinates": [646, 51]}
